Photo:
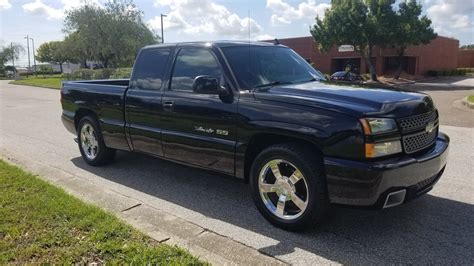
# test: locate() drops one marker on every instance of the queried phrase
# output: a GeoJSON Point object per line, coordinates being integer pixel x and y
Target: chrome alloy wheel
{"type": "Point", "coordinates": [89, 142]}
{"type": "Point", "coordinates": [283, 189]}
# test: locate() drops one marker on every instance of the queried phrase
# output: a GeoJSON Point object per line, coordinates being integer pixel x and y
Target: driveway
{"type": "Point", "coordinates": [436, 228]}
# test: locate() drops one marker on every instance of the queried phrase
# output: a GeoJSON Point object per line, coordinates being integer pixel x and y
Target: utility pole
{"type": "Point", "coordinates": [34, 59]}
{"type": "Point", "coordinates": [162, 36]}
{"type": "Point", "coordinates": [13, 54]}
{"type": "Point", "coordinates": [28, 48]}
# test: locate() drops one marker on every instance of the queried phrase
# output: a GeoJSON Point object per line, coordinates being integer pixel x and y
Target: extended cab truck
{"type": "Point", "coordinates": [260, 112]}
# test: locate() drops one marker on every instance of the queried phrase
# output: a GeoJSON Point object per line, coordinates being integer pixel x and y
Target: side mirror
{"type": "Point", "coordinates": [208, 85]}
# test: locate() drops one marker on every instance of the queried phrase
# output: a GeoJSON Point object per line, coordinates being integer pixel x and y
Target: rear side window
{"type": "Point", "coordinates": [190, 63]}
{"type": "Point", "coordinates": [149, 69]}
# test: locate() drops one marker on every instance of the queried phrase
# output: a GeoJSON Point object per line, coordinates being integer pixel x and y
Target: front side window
{"type": "Point", "coordinates": [256, 66]}
{"type": "Point", "coordinates": [149, 69]}
{"type": "Point", "coordinates": [190, 63]}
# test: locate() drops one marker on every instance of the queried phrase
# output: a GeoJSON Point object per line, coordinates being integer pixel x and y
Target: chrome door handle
{"type": "Point", "coordinates": [168, 104]}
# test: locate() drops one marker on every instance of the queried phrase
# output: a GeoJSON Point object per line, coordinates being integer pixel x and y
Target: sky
{"type": "Point", "coordinates": [199, 20]}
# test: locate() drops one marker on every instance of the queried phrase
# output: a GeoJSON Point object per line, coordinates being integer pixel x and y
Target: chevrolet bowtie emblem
{"type": "Point", "coordinates": [429, 128]}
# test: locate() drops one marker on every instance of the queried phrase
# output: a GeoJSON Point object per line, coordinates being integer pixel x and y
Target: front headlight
{"type": "Point", "coordinates": [374, 126]}
{"type": "Point", "coordinates": [378, 148]}
{"type": "Point", "coordinates": [373, 150]}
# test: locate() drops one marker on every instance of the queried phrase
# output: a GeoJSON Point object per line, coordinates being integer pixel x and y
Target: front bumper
{"type": "Point", "coordinates": [368, 183]}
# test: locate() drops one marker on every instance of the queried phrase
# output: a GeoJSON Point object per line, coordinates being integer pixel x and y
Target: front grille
{"type": "Point", "coordinates": [415, 134]}
{"type": "Point", "coordinates": [418, 141]}
{"type": "Point", "coordinates": [416, 122]}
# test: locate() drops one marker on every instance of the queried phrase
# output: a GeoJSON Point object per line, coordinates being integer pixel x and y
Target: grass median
{"type": "Point", "coordinates": [40, 223]}
{"type": "Point", "coordinates": [470, 98]}
{"type": "Point", "coordinates": [53, 82]}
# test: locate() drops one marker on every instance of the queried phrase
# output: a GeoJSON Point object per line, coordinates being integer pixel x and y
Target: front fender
{"type": "Point", "coordinates": [274, 128]}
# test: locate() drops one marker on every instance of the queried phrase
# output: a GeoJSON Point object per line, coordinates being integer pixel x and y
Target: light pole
{"type": "Point", "coordinates": [13, 54]}
{"type": "Point", "coordinates": [34, 59]}
{"type": "Point", "coordinates": [162, 37]}
{"type": "Point", "coordinates": [28, 48]}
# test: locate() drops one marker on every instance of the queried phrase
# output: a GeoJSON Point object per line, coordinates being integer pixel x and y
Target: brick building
{"type": "Point", "coordinates": [466, 58]}
{"type": "Point", "coordinates": [439, 54]}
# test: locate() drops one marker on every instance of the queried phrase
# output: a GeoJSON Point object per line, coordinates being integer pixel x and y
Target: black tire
{"type": "Point", "coordinates": [310, 165]}
{"type": "Point", "coordinates": [103, 154]}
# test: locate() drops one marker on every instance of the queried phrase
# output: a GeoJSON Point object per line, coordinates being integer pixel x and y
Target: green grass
{"type": "Point", "coordinates": [470, 98]}
{"type": "Point", "coordinates": [40, 223]}
{"type": "Point", "coordinates": [53, 82]}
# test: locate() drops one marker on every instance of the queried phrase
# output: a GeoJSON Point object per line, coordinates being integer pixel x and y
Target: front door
{"type": "Point", "coordinates": [198, 128]}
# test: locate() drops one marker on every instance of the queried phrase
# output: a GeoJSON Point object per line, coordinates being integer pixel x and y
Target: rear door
{"type": "Point", "coordinates": [198, 129]}
{"type": "Point", "coordinates": [143, 100]}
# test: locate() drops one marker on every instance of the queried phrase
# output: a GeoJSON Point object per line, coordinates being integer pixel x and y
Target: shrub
{"type": "Point", "coordinates": [432, 73]}
{"type": "Point", "coordinates": [467, 69]}
{"type": "Point", "coordinates": [122, 73]}
{"type": "Point", "coordinates": [83, 74]}
{"type": "Point", "coordinates": [103, 73]}
{"type": "Point", "coordinates": [67, 76]}
{"type": "Point", "coordinates": [462, 72]}
{"type": "Point", "coordinates": [448, 72]}
{"type": "Point", "coordinates": [43, 70]}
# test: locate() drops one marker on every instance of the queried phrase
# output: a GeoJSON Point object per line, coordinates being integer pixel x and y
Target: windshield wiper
{"type": "Point", "coordinates": [271, 84]}
{"type": "Point", "coordinates": [312, 79]}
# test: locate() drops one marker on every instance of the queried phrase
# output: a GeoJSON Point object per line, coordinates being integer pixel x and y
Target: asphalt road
{"type": "Point", "coordinates": [436, 228]}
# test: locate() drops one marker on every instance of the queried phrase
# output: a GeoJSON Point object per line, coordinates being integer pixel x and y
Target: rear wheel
{"type": "Point", "coordinates": [91, 143]}
{"type": "Point", "coordinates": [288, 186]}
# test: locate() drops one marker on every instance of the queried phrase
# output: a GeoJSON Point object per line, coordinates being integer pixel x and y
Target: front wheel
{"type": "Point", "coordinates": [289, 186]}
{"type": "Point", "coordinates": [91, 143]}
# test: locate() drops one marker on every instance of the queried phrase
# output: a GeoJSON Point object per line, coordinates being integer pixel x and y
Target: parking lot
{"type": "Point", "coordinates": [436, 228]}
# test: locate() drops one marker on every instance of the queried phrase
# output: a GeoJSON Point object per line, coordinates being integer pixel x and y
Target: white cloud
{"type": "Point", "coordinates": [5, 4]}
{"type": "Point", "coordinates": [265, 37]}
{"type": "Point", "coordinates": [204, 16]}
{"type": "Point", "coordinates": [452, 17]}
{"type": "Point", "coordinates": [284, 13]}
{"type": "Point", "coordinates": [39, 8]}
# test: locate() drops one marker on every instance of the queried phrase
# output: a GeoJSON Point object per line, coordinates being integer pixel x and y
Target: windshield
{"type": "Point", "coordinates": [259, 66]}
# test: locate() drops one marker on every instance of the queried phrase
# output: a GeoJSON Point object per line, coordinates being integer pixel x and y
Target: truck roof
{"type": "Point", "coordinates": [213, 43]}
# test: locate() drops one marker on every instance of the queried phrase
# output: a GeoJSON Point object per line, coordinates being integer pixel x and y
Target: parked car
{"type": "Point", "coordinates": [10, 74]}
{"type": "Point", "coordinates": [346, 76]}
{"type": "Point", "coordinates": [259, 112]}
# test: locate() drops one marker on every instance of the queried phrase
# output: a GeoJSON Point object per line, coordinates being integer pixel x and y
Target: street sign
{"type": "Point", "coordinates": [345, 48]}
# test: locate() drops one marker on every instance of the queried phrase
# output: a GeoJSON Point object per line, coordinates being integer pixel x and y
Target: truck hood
{"type": "Point", "coordinates": [354, 101]}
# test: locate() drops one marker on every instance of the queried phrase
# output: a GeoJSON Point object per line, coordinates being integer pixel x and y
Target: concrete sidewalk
{"type": "Point", "coordinates": [160, 225]}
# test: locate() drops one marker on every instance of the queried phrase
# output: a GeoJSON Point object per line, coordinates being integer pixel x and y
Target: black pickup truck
{"type": "Point", "coordinates": [260, 112]}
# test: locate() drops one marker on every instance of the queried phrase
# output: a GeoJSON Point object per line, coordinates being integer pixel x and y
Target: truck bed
{"type": "Point", "coordinates": [104, 99]}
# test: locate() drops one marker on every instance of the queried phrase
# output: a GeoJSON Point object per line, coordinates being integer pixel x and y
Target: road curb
{"type": "Point", "coordinates": [157, 224]}
{"type": "Point", "coordinates": [465, 102]}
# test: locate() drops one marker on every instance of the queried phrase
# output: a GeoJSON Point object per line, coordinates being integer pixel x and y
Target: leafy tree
{"type": "Point", "coordinates": [54, 52]}
{"type": "Point", "coordinates": [363, 24]}
{"type": "Point", "coordinates": [368, 23]}
{"type": "Point", "coordinates": [8, 53]}
{"type": "Point", "coordinates": [74, 46]}
{"type": "Point", "coordinates": [467, 47]}
{"type": "Point", "coordinates": [45, 52]}
{"type": "Point", "coordinates": [410, 29]}
{"type": "Point", "coordinates": [112, 35]}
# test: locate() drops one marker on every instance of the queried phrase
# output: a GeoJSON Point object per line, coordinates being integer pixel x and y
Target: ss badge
{"type": "Point", "coordinates": [222, 132]}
